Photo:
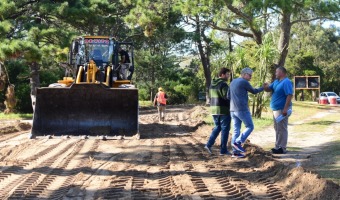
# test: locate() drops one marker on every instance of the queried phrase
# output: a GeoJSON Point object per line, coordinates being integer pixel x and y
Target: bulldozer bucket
{"type": "Point", "coordinates": [86, 109]}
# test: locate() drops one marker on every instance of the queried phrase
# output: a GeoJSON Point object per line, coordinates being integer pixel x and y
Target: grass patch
{"type": "Point", "coordinates": [145, 103]}
{"type": "Point", "coordinates": [261, 123]}
{"type": "Point", "coordinates": [16, 116]}
{"type": "Point", "coordinates": [334, 117]}
{"type": "Point", "coordinates": [317, 124]}
{"type": "Point", "coordinates": [313, 126]}
{"type": "Point", "coordinates": [302, 110]}
{"type": "Point", "coordinates": [331, 156]}
{"type": "Point", "coordinates": [209, 120]}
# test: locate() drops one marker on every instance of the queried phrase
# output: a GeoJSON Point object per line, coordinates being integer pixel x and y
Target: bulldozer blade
{"type": "Point", "coordinates": [86, 109]}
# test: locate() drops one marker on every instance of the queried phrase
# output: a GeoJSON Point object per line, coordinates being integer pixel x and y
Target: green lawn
{"type": "Point", "coordinates": [15, 116]}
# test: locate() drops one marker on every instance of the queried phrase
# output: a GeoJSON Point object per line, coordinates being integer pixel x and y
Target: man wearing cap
{"type": "Point", "coordinates": [160, 102]}
{"type": "Point", "coordinates": [239, 110]}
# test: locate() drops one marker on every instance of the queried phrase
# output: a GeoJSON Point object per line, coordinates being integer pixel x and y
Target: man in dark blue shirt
{"type": "Point", "coordinates": [239, 110]}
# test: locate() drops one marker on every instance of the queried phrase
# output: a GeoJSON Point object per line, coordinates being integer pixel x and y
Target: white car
{"type": "Point", "coordinates": [329, 95]}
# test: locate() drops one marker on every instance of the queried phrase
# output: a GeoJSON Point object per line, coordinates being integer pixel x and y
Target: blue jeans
{"type": "Point", "coordinates": [222, 124]}
{"type": "Point", "coordinates": [239, 117]}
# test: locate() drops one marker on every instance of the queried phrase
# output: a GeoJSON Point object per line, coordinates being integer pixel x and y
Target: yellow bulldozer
{"type": "Point", "coordinates": [98, 100]}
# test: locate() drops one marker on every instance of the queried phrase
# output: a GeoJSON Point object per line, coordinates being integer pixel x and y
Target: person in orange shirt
{"type": "Point", "coordinates": [160, 102]}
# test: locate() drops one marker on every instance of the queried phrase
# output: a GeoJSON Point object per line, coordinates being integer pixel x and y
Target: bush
{"type": "Point", "coordinates": [175, 97]}
{"type": "Point", "coordinates": [19, 76]}
{"type": "Point", "coordinates": [24, 103]}
{"type": "Point", "coordinates": [143, 94]}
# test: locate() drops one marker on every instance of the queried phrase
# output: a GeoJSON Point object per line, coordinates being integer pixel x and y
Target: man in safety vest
{"type": "Point", "coordinates": [160, 101]}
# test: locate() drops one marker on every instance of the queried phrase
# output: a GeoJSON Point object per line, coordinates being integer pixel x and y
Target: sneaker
{"type": "Point", "coordinates": [208, 149]}
{"type": "Point", "coordinates": [225, 154]}
{"type": "Point", "coordinates": [278, 151]}
{"type": "Point", "coordinates": [238, 147]}
{"type": "Point", "coordinates": [238, 155]}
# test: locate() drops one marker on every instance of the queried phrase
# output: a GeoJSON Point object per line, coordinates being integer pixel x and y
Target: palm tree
{"type": "Point", "coordinates": [266, 55]}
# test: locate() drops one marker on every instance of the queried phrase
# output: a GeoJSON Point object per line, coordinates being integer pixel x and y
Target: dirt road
{"type": "Point", "coordinates": [168, 162]}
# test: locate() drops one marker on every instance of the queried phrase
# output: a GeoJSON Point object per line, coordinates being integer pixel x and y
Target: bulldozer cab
{"type": "Point", "coordinates": [104, 51]}
{"type": "Point", "coordinates": [99, 100]}
{"type": "Point", "coordinates": [84, 49]}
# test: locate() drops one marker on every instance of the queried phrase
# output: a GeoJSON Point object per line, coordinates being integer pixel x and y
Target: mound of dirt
{"type": "Point", "coordinates": [14, 126]}
{"type": "Point", "coordinates": [198, 112]}
{"type": "Point", "coordinates": [296, 181]}
{"type": "Point", "coordinates": [305, 185]}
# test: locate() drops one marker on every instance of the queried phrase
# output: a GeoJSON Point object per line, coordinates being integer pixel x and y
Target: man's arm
{"type": "Point", "coordinates": [252, 90]}
{"type": "Point", "coordinates": [155, 100]}
{"type": "Point", "coordinates": [266, 87]}
{"type": "Point", "coordinates": [224, 91]}
{"type": "Point", "coordinates": [228, 94]}
{"type": "Point", "coordinates": [288, 101]}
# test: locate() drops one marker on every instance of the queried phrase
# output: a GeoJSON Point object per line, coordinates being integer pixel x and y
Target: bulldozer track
{"type": "Point", "coordinates": [117, 184]}
{"type": "Point", "coordinates": [6, 137]}
{"type": "Point", "coordinates": [20, 165]}
{"type": "Point", "coordinates": [168, 162]}
{"type": "Point", "coordinates": [40, 177]}
{"type": "Point", "coordinates": [20, 186]}
{"type": "Point", "coordinates": [126, 181]}
{"type": "Point", "coordinates": [234, 184]}
{"type": "Point", "coordinates": [201, 189]}
{"type": "Point", "coordinates": [131, 183]}
{"type": "Point", "coordinates": [71, 167]}
{"type": "Point", "coordinates": [273, 191]}
{"type": "Point", "coordinates": [210, 183]}
{"type": "Point", "coordinates": [122, 176]}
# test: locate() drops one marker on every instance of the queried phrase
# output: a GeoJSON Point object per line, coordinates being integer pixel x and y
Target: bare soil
{"type": "Point", "coordinates": [168, 162]}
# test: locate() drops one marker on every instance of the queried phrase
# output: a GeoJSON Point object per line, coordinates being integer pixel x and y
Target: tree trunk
{"type": "Point", "coordinates": [283, 45]}
{"type": "Point", "coordinates": [231, 64]}
{"type": "Point", "coordinates": [34, 81]}
{"type": "Point", "coordinates": [204, 56]}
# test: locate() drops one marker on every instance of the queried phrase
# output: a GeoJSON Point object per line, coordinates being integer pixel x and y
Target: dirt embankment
{"type": "Point", "coordinates": [168, 162]}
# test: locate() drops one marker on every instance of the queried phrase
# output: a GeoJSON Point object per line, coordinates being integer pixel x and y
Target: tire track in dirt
{"type": "Point", "coordinates": [156, 181]}
{"type": "Point", "coordinates": [219, 184]}
{"type": "Point", "coordinates": [273, 192]}
{"type": "Point", "coordinates": [56, 187]}
{"type": "Point", "coordinates": [170, 163]}
{"type": "Point", "coordinates": [189, 175]}
{"type": "Point", "coordinates": [6, 137]}
{"type": "Point", "coordinates": [20, 165]}
{"type": "Point", "coordinates": [25, 178]}
{"type": "Point", "coordinates": [147, 178]}
{"type": "Point", "coordinates": [161, 177]}
{"type": "Point", "coordinates": [112, 186]}
{"type": "Point", "coordinates": [121, 172]}
{"type": "Point", "coordinates": [214, 184]}
{"type": "Point", "coordinates": [244, 185]}
{"type": "Point", "coordinates": [12, 152]}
